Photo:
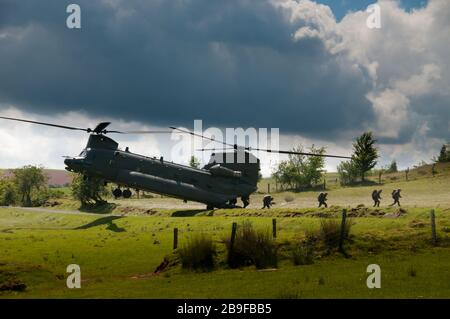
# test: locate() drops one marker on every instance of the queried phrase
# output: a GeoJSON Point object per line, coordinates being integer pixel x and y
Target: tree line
{"type": "Point", "coordinates": [300, 172]}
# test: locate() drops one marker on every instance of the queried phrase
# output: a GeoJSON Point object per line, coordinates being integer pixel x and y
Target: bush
{"type": "Point", "coordinates": [8, 194]}
{"type": "Point", "coordinates": [288, 198]}
{"type": "Point", "coordinates": [252, 247]}
{"type": "Point", "coordinates": [198, 253]}
{"type": "Point", "coordinates": [303, 253]}
{"type": "Point", "coordinates": [330, 232]}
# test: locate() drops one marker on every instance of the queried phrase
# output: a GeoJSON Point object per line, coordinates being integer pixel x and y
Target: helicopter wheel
{"type": "Point", "coordinates": [126, 193]}
{"type": "Point", "coordinates": [117, 192]}
{"type": "Point", "coordinates": [245, 201]}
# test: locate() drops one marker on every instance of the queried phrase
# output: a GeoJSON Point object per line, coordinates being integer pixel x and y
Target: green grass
{"type": "Point", "coordinates": [118, 255]}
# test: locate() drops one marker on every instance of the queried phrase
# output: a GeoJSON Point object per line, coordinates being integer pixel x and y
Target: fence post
{"type": "Point", "coordinates": [233, 236]}
{"type": "Point", "coordinates": [433, 228]}
{"type": "Point", "coordinates": [175, 238]}
{"type": "Point", "coordinates": [268, 188]}
{"type": "Point", "coordinates": [342, 235]}
{"type": "Point", "coordinates": [274, 228]}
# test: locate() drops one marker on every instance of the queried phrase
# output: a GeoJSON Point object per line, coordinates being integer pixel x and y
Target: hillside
{"type": "Point", "coordinates": [56, 177]}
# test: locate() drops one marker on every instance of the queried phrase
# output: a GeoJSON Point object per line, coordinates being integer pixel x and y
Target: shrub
{"type": "Point", "coordinates": [252, 247]}
{"type": "Point", "coordinates": [198, 253]}
{"type": "Point", "coordinates": [330, 232]}
{"type": "Point", "coordinates": [8, 195]}
{"type": "Point", "coordinates": [303, 253]}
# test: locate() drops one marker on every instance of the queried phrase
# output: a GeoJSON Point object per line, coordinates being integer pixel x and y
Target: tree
{"type": "Point", "coordinates": [88, 191]}
{"type": "Point", "coordinates": [300, 171]}
{"type": "Point", "coordinates": [365, 154]}
{"type": "Point", "coordinates": [444, 154]}
{"type": "Point", "coordinates": [392, 167]}
{"type": "Point", "coordinates": [348, 172]}
{"type": "Point", "coordinates": [194, 162]}
{"type": "Point", "coordinates": [28, 179]}
{"type": "Point", "coordinates": [7, 192]}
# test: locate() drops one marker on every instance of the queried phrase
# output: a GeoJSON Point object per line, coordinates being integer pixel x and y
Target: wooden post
{"type": "Point", "coordinates": [137, 193]}
{"type": "Point", "coordinates": [379, 177]}
{"type": "Point", "coordinates": [433, 170]}
{"type": "Point", "coordinates": [324, 183]}
{"type": "Point", "coordinates": [175, 238]}
{"type": "Point", "coordinates": [341, 238]}
{"type": "Point", "coordinates": [268, 188]}
{"type": "Point", "coordinates": [274, 228]}
{"type": "Point", "coordinates": [433, 228]}
{"type": "Point", "coordinates": [406, 173]}
{"type": "Point", "coordinates": [233, 235]}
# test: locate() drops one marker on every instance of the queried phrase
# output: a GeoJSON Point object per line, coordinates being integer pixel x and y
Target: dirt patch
{"type": "Point", "coordinates": [400, 212]}
{"type": "Point", "coordinates": [167, 263]}
{"type": "Point", "coordinates": [13, 285]}
{"type": "Point", "coordinates": [417, 224]}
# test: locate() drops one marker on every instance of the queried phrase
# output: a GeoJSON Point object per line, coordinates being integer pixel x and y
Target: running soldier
{"type": "Point", "coordinates": [376, 196]}
{"type": "Point", "coordinates": [396, 197]}
{"type": "Point", "coordinates": [322, 199]}
{"type": "Point", "coordinates": [267, 201]}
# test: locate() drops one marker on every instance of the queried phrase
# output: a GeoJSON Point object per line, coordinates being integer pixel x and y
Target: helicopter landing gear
{"type": "Point", "coordinates": [245, 201]}
{"type": "Point", "coordinates": [117, 192]}
{"type": "Point", "coordinates": [209, 207]}
{"type": "Point", "coordinates": [126, 193]}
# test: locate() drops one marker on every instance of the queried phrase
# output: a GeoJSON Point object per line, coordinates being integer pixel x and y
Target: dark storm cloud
{"type": "Point", "coordinates": [230, 63]}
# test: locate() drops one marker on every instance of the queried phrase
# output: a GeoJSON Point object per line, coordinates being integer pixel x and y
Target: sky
{"type": "Point", "coordinates": [315, 70]}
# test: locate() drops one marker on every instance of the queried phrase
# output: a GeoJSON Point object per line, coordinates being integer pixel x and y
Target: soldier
{"type": "Point", "coordinates": [379, 197]}
{"type": "Point", "coordinates": [267, 201]}
{"type": "Point", "coordinates": [376, 196]}
{"type": "Point", "coordinates": [396, 197]}
{"type": "Point", "coordinates": [322, 199]}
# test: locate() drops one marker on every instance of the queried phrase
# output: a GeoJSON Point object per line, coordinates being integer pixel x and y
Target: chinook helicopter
{"type": "Point", "coordinates": [227, 176]}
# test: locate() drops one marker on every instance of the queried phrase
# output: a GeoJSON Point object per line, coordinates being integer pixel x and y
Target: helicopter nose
{"type": "Point", "coordinates": [69, 161]}
{"type": "Point", "coordinates": [73, 164]}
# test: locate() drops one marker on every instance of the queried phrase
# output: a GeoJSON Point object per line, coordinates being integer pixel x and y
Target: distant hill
{"type": "Point", "coordinates": [56, 177]}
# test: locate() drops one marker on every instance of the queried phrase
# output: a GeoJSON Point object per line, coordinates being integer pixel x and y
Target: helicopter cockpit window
{"type": "Point", "coordinates": [83, 154]}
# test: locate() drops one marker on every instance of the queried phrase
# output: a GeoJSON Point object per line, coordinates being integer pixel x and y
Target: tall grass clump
{"type": "Point", "coordinates": [251, 247]}
{"type": "Point", "coordinates": [330, 232]}
{"type": "Point", "coordinates": [198, 253]}
{"type": "Point", "coordinates": [303, 252]}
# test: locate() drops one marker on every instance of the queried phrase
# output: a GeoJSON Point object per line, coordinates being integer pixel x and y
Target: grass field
{"type": "Point", "coordinates": [119, 249]}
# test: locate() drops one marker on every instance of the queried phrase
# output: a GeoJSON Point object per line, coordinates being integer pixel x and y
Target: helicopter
{"type": "Point", "coordinates": [225, 178]}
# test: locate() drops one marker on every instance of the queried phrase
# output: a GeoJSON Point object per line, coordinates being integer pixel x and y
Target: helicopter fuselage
{"type": "Point", "coordinates": [215, 185]}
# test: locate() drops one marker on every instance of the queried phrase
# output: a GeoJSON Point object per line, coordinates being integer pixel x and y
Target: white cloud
{"type": "Point", "coordinates": [25, 144]}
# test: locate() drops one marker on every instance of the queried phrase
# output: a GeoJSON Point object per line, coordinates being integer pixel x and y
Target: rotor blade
{"type": "Point", "coordinates": [214, 149]}
{"type": "Point", "coordinates": [101, 127]}
{"type": "Point", "coordinates": [295, 153]}
{"type": "Point", "coordinates": [236, 147]}
{"type": "Point", "coordinates": [47, 124]}
{"type": "Point", "coordinates": [141, 132]}
{"type": "Point", "coordinates": [198, 135]}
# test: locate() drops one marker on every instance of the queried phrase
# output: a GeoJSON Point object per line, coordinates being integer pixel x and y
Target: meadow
{"type": "Point", "coordinates": [119, 249]}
